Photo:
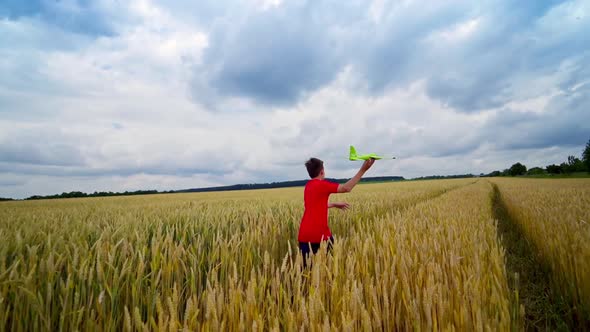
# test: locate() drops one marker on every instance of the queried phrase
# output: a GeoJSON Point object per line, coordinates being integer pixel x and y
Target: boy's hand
{"type": "Point", "coordinates": [341, 205]}
{"type": "Point", "coordinates": [367, 164]}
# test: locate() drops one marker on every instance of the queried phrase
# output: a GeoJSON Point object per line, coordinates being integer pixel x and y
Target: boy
{"type": "Point", "coordinates": [314, 224]}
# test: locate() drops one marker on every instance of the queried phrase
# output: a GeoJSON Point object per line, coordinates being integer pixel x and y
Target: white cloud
{"type": "Point", "coordinates": [115, 112]}
{"type": "Point", "coordinates": [455, 33]}
{"type": "Point", "coordinates": [267, 4]}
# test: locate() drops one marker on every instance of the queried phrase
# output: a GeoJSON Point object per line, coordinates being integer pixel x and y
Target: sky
{"type": "Point", "coordinates": [111, 95]}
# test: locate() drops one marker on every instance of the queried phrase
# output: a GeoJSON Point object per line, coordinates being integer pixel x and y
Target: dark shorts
{"type": "Point", "coordinates": [306, 248]}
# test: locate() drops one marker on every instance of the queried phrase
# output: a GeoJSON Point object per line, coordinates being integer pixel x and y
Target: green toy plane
{"type": "Point", "coordinates": [354, 156]}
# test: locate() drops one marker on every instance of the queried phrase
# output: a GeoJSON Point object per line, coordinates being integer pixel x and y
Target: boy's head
{"type": "Point", "coordinates": [315, 168]}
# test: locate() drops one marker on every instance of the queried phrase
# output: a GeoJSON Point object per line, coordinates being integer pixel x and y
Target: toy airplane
{"type": "Point", "coordinates": [354, 156]}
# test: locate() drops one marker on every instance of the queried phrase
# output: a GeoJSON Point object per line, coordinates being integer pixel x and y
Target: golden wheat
{"type": "Point", "coordinates": [414, 255]}
{"type": "Point", "coordinates": [554, 215]}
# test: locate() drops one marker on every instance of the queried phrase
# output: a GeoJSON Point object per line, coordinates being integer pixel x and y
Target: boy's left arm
{"type": "Point", "coordinates": [339, 205]}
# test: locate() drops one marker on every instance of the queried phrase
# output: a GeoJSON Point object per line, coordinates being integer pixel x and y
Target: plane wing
{"type": "Point", "coordinates": [354, 156]}
{"type": "Point", "coordinates": [368, 156]}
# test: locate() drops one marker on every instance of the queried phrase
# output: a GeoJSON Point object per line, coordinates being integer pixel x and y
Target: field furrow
{"type": "Point", "coordinates": [553, 216]}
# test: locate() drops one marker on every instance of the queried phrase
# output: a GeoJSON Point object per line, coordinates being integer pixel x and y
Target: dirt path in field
{"type": "Point", "coordinates": [543, 310]}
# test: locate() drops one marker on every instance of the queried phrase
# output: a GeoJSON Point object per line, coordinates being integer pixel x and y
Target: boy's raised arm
{"type": "Point", "coordinates": [347, 187]}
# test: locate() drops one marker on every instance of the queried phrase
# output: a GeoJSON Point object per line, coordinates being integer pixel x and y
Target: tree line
{"type": "Point", "coordinates": [285, 184]}
{"type": "Point", "coordinates": [249, 186]}
{"type": "Point", "coordinates": [573, 164]}
{"type": "Point", "coordinates": [76, 194]}
{"type": "Point", "coordinates": [442, 177]}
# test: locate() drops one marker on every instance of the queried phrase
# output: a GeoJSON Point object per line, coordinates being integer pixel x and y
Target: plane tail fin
{"type": "Point", "coordinates": [352, 155]}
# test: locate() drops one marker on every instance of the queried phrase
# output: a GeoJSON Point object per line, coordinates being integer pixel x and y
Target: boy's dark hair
{"type": "Point", "coordinates": [314, 167]}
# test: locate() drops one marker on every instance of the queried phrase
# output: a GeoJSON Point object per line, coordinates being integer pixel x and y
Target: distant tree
{"type": "Point", "coordinates": [517, 169]}
{"type": "Point", "coordinates": [586, 156]}
{"type": "Point", "coordinates": [572, 165]}
{"type": "Point", "coordinates": [554, 169]}
{"type": "Point", "coordinates": [577, 165]}
{"type": "Point", "coordinates": [535, 171]}
{"type": "Point", "coordinates": [505, 172]}
{"type": "Point", "coordinates": [436, 177]}
{"type": "Point", "coordinates": [495, 173]}
{"type": "Point", "coordinates": [565, 168]}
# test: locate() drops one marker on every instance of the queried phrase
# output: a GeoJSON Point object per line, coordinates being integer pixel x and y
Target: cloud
{"type": "Point", "coordinates": [565, 121]}
{"type": "Point", "coordinates": [55, 155]}
{"type": "Point", "coordinates": [274, 56]}
{"type": "Point", "coordinates": [277, 56]}
{"type": "Point", "coordinates": [473, 58]}
{"type": "Point", "coordinates": [511, 48]}
{"type": "Point", "coordinates": [96, 18]}
{"type": "Point", "coordinates": [146, 94]}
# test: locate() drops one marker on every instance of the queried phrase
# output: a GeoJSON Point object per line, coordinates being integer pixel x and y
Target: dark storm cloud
{"type": "Point", "coordinates": [279, 55]}
{"type": "Point", "coordinates": [11, 182]}
{"type": "Point", "coordinates": [61, 153]}
{"type": "Point", "coordinates": [25, 167]}
{"type": "Point", "coordinates": [392, 52]}
{"type": "Point", "coordinates": [79, 16]}
{"type": "Point", "coordinates": [510, 44]}
{"type": "Point", "coordinates": [40, 153]}
{"type": "Point", "coordinates": [564, 122]}
{"type": "Point", "coordinates": [275, 56]}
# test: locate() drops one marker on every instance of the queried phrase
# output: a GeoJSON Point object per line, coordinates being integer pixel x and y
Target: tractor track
{"type": "Point", "coordinates": [528, 278]}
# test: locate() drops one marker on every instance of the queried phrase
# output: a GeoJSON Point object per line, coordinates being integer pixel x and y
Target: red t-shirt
{"type": "Point", "coordinates": [314, 224]}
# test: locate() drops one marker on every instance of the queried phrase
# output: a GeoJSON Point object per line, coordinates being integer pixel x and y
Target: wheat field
{"type": "Point", "coordinates": [555, 217]}
{"type": "Point", "coordinates": [421, 255]}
